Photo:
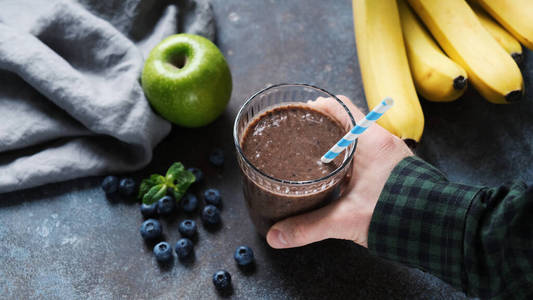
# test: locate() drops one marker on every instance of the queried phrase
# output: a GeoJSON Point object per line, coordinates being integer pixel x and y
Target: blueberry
{"type": "Point", "coordinates": [187, 228]}
{"type": "Point", "coordinates": [149, 210]}
{"type": "Point", "coordinates": [110, 185]}
{"type": "Point", "coordinates": [198, 174]}
{"type": "Point", "coordinates": [163, 252]}
{"type": "Point", "coordinates": [243, 256]}
{"type": "Point", "coordinates": [184, 248]}
{"type": "Point", "coordinates": [217, 157]}
{"type": "Point", "coordinates": [151, 229]}
{"type": "Point", "coordinates": [212, 196]}
{"type": "Point", "coordinates": [222, 279]}
{"type": "Point", "coordinates": [189, 203]}
{"type": "Point", "coordinates": [211, 215]}
{"type": "Point", "coordinates": [165, 205]}
{"type": "Point", "coordinates": [126, 187]}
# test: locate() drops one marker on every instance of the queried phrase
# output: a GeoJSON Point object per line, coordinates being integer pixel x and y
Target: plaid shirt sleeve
{"type": "Point", "coordinates": [478, 239]}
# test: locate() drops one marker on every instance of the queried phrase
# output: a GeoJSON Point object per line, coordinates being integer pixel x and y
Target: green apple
{"type": "Point", "coordinates": [187, 80]}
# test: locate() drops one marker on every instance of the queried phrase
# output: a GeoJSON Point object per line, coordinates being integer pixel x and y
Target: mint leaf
{"type": "Point", "coordinates": [155, 193]}
{"type": "Point", "coordinates": [176, 182]}
{"type": "Point", "coordinates": [174, 171]}
{"type": "Point", "coordinates": [179, 180]}
{"type": "Point", "coordinates": [148, 183]}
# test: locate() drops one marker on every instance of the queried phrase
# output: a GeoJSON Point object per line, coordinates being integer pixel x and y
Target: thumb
{"type": "Point", "coordinates": [307, 228]}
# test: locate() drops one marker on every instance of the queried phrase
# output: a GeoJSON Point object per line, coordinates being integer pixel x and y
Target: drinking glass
{"type": "Point", "coordinates": [271, 199]}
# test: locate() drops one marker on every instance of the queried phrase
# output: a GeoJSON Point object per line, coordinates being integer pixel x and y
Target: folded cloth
{"type": "Point", "coordinates": [71, 103]}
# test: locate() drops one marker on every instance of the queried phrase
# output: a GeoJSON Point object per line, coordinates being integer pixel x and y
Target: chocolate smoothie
{"type": "Point", "coordinates": [286, 143]}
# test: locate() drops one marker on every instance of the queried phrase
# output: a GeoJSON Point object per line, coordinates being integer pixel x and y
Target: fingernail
{"type": "Point", "coordinates": [280, 237]}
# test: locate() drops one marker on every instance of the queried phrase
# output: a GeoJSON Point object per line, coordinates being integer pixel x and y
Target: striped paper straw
{"type": "Point", "coordinates": [351, 136]}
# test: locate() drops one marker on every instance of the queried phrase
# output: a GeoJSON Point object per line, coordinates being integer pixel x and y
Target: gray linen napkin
{"type": "Point", "coordinates": [71, 104]}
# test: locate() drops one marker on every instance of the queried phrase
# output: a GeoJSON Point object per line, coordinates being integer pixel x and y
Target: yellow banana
{"type": "Point", "coordinates": [459, 32]}
{"type": "Point", "coordinates": [515, 15]}
{"type": "Point", "coordinates": [384, 66]}
{"type": "Point", "coordinates": [504, 38]}
{"type": "Point", "coordinates": [436, 76]}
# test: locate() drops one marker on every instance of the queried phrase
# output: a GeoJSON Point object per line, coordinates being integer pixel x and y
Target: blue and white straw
{"type": "Point", "coordinates": [351, 136]}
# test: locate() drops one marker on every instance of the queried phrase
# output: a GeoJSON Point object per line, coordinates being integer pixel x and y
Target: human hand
{"type": "Point", "coordinates": [376, 154]}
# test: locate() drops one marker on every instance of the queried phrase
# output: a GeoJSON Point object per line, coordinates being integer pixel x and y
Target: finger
{"type": "Point", "coordinates": [356, 112]}
{"type": "Point", "coordinates": [375, 137]}
{"type": "Point", "coordinates": [375, 130]}
{"type": "Point", "coordinates": [331, 107]}
{"type": "Point", "coordinates": [307, 228]}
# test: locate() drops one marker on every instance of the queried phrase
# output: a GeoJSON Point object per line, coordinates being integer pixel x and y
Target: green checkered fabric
{"type": "Point", "coordinates": [478, 239]}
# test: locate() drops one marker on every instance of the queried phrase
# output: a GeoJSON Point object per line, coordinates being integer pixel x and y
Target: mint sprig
{"type": "Point", "coordinates": [175, 182]}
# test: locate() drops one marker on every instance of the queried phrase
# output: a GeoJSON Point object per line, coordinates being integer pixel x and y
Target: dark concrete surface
{"type": "Point", "coordinates": [66, 241]}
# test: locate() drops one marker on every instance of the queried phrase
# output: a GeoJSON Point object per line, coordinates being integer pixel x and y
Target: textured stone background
{"type": "Point", "coordinates": [67, 241]}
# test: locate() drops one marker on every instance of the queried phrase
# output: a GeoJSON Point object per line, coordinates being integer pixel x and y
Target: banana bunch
{"type": "Point", "coordinates": [437, 48]}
